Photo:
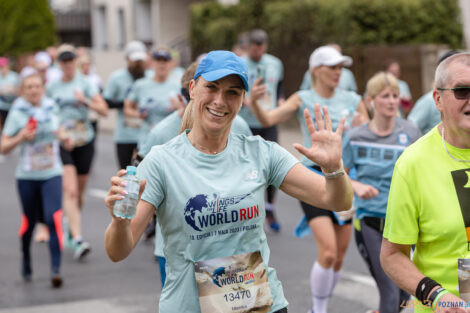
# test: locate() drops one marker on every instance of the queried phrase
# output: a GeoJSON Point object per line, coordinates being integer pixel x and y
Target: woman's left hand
{"type": "Point", "coordinates": [326, 150]}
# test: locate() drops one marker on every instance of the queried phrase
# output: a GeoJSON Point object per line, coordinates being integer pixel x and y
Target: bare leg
{"type": "Point", "coordinates": [71, 196]}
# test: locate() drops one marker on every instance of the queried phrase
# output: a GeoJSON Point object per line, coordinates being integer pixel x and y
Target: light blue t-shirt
{"type": "Point", "coordinates": [8, 84]}
{"type": "Point", "coordinates": [198, 197]}
{"type": "Point", "coordinates": [118, 87]}
{"type": "Point", "coordinates": [176, 74]}
{"type": "Point", "coordinates": [170, 128]}
{"type": "Point", "coordinates": [425, 113]}
{"type": "Point", "coordinates": [155, 98]}
{"type": "Point", "coordinates": [374, 159]}
{"type": "Point", "coordinates": [164, 132]}
{"type": "Point", "coordinates": [272, 70]}
{"type": "Point", "coordinates": [346, 81]}
{"type": "Point", "coordinates": [343, 103]}
{"type": "Point", "coordinates": [404, 89]}
{"type": "Point", "coordinates": [72, 114]}
{"type": "Point", "coordinates": [40, 158]}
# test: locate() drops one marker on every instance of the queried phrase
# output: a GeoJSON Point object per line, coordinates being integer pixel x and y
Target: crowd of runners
{"type": "Point", "coordinates": [205, 139]}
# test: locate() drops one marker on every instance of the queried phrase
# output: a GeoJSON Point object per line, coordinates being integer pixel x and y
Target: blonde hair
{"type": "Point", "coordinates": [379, 82]}
{"type": "Point", "coordinates": [24, 79]}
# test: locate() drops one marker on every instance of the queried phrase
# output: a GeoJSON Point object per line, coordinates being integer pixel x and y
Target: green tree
{"type": "Point", "coordinates": [25, 26]}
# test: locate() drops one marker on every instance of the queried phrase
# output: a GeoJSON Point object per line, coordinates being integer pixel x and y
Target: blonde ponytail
{"type": "Point", "coordinates": [188, 118]}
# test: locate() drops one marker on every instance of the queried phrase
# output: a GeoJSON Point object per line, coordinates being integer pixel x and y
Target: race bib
{"type": "Point", "coordinates": [40, 156]}
{"type": "Point", "coordinates": [77, 130]}
{"type": "Point", "coordinates": [134, 122]}
{"type": "Point", "coordinates": [235, 284]}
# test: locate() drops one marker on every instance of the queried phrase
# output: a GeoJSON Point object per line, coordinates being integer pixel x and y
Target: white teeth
{"type": "Point", "coordinates": [216, 113]}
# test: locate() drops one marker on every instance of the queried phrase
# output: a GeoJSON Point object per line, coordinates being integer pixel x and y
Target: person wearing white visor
{"type": "Point", "coordinates": [331, 231]}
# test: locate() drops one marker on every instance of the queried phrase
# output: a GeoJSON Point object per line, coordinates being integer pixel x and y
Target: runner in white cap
{"type": "Point", "coordinates": [332, 233]}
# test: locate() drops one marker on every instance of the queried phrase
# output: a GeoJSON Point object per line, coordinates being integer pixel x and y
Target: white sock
{"type": "Point", "coordinates": [321, 282]}
{"type": "Point", "coordinates": [336, 276]}
{"type": "Point", "coordinates": [77, 239]}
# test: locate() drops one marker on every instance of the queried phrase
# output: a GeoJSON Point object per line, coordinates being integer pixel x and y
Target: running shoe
{"type": "Point", "coordinates": [56, 280]}
{"type": "Point", "coordinates": [272, 222]}
{"type": "Point", "coordinates": [372, 311]}
{"type": "Point", "coordinates": [81, 250]}
{"type": "Point", "coordinates": [26, 271]}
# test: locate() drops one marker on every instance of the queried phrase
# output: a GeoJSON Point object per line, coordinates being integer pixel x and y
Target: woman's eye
{"type": "Point", "coordinates": [211, 87]}
{"type": "Point", "coordinates": [233, 92]}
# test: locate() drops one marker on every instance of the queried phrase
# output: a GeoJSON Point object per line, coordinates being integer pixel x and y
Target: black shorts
{"type": "Point", "coordinates": [124, 153]}
{"type": "Point", "coordinates": [312, 212]}
{"type": "Point", "coordinates": [268, 133]}
{"type": "Point", "coordinates": [3, 117]}
{"type": "Point", "coordinates": [80, 157]}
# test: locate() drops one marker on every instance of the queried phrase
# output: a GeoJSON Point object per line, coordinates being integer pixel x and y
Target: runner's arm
{"type": "Point", "coordinates": [98, 104]}
{"type": "Point", "coordinates": [130, 108]}
{"type": "Point", "coordinates": [307, 186]}
{"type": "Point", "coordinates": [122, 235]}
{"type": "Point", "coordinates": [9, 143]}
{"type": "Point", "coordinates": [278, 115]}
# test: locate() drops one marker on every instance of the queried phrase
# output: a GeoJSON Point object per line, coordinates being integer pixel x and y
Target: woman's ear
{"type": "Point", "coordinates": [192, 83]}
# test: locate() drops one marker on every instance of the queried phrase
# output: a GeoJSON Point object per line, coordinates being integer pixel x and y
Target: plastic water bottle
{"type": "Point", "coordinates": [126, 207]}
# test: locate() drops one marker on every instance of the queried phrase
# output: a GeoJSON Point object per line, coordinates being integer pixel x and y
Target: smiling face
{"type": "Point", "coordinates": [328, 75]}
{"type": "Point", "coordinates": [386, 102]}
{"type": "Point", "coordinates": [33, 89]}
{"type": "Point", "coordinates": [216, 103]}
{"type": "Point", "coordinates": [455, 113]}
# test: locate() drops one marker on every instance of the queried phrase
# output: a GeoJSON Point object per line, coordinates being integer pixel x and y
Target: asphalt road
{"type": "Point", "coordinates": [133, 285]}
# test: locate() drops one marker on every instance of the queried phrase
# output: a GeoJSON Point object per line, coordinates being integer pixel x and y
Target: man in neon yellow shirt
{"type": "Point", "coordinates": [429, 202]}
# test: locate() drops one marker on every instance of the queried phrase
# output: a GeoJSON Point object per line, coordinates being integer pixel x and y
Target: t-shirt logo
{"type": "Point", "coordinates": [403, 139]}
{"type": "Point", "coordinates": [251, 175]}
{"type": "Point", "coordinates": [200, 212]}
{"type": "Point", "coordinates": [462, 187]}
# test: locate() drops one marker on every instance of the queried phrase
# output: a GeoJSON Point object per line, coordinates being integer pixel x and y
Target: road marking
{"type": "Point", "coordinates": [97, 193]}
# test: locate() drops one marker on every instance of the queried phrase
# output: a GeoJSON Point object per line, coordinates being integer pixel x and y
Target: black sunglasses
{"type": "Point", "coordinates": [460, 93]}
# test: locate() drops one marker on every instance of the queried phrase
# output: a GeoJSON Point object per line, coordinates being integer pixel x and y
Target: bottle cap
{"type": "Point", "coordinates": [131, 170]}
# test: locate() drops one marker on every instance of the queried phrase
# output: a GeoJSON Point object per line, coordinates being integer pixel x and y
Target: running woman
{"type": "Point", "coordinates": [33, 125]}
{"type": "Point", "coordinates": [75, 96]}
{"type": "Point", "coordinates": [167, 130]}
{"type": "Point", "coordinates": [207, 188]}
{"type": "Point", "coordinates": [372, 150]}
{"type": "Point", "coordinates": [116, 91]}
{"type": "Point", "coordinates": [332, 234]}
{"type": "Point", "coordinates": [149, 100]}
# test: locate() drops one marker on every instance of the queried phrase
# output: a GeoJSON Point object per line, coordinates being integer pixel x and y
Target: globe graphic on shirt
{"type": "Point", "coordinates": [194, 204]}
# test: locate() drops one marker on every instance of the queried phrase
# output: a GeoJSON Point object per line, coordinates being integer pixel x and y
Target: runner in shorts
{"type": "Point", "coordinates": [75, 96]}
{"type": "Point", "coordinates": [33, 125]}
{"type": "Point", "coordinates": [207, 188]}
{"type": "Point", "coordinates": [332, 234]}
{"type": "Point", "coordinates": [372, 150]}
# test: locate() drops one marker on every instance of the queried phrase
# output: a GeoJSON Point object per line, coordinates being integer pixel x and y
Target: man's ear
{"type": "Point", "coordinates": [438, 100]}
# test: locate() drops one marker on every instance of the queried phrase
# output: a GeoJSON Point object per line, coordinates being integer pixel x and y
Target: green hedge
{"type": "Point", "coordinates": [294, 23]}
{"type": "Point", "coordinates": [25, 26]}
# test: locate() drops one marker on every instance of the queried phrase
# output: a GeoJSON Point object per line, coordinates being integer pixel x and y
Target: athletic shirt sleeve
{"type": "Point", "coordinates": [12, 123]}
{"type": "Point", "coordinates": [280, 163]}
{"type": "Point", "coordinates": [240, 126]}
{"type": "Point", "coordinates": [150, 170]}
{"type": "Point", "coordinates": [401, 221]}
{"type": "Point", "coordinates": [306, 81]}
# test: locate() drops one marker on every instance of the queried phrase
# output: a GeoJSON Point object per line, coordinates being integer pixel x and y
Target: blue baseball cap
{"type": "Point", "coordinates": [218, 64]}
